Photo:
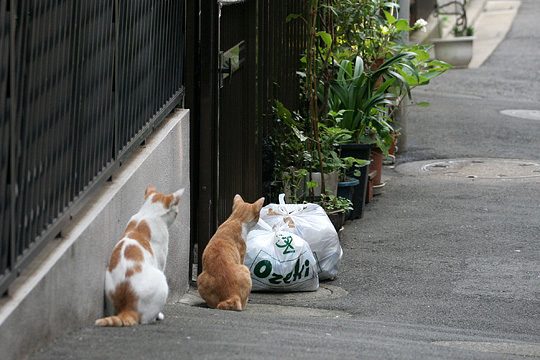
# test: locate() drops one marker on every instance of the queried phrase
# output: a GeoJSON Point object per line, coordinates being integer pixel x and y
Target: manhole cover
{"type": "Point", "coordinates": [475, 168]}
{"type": "Point", "coordinates": [523, 114]}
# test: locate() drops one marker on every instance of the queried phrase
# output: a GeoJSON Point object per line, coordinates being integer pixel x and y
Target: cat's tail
{"type": "Point", "coordinates": [232, 303]}
{"type": "Point", "coordinates": [124, 318]}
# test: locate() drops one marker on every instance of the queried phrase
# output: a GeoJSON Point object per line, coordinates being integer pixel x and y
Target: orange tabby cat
{"type": "Point", "coordinates": [225, 282]}
{"type": "Point", "coordinates": [134, 282]}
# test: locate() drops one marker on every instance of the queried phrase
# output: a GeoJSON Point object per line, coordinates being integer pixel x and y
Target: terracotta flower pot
{"type": "Point", "coordinates": [377, 158]}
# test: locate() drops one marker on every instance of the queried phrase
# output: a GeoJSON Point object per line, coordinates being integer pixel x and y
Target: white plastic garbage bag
{"type": "Point", "coordinates": [310, 222]}
{"type": "Point", "coordinates": [280, 261]}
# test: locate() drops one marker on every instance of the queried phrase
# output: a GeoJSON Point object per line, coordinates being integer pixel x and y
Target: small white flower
{"type": "Point", "coordinates": [420, 24]}
{"type": "Point", "coordinates": [384, 30]}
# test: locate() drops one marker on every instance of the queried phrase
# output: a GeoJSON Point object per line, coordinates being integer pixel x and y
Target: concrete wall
{"type": "Point", "coordinates": [62, 290]}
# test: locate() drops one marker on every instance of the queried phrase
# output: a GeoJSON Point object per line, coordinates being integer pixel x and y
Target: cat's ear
{"type": "Point", "coordinates": [259, 204]}
{"type": "Point", "coordinates": [177, 195]}
{"type": "Point", "coordinates": [237, 200]}
{"type": "Point", "coordinates": [150, 189]}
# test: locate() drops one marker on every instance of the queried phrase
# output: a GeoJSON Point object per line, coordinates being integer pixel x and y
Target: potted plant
{"type": "Point", "coordinates": [350, 173]}
{"type": "Point", "coordinates": [456, 49]}
{"type": "Point", "coordinates": [354, 72]}
{"type": "Point", "coordinates": [357, 105]}
{"type": "Point", "coordinates": [330, 137]}
{"type": "Point", "coordinates": [336, 207]}
{"type": "Point", "coordinates": [367, 90]}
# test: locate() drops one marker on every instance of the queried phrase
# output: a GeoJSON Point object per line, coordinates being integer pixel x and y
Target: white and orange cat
{"type": "Point", "coordinates": [135, 283]}
{"type": "Point", "coordinates": [225, 282]}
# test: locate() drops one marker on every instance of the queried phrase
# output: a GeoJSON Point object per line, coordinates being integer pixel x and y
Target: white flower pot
{"type": "Point", "coordinates": [330, 182]}
{"type": "Point", "coordinates": [456, 51]}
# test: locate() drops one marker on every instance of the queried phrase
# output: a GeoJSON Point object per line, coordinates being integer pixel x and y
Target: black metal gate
{"type": "Point", "coordinates": [247, 56]}
{"type": "Point", "coordinates": [82, 84]}
{"type": "Point", "coordinates": [238, 152]}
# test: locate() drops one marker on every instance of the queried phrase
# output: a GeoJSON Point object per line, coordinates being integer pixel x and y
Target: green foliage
{"type": "Point", "coordinates": [360, 106]}
{"type": "Point", "coordinates": [289, 144]}
{"type": "Point", "coordinates": [351, 165]}
{"type": "Point", "coordinates": [355, 72]}
{"type": "Point", "coordinates": [375, 69]}
{"type": "Point", "coordinates": [368, 28]}
{"type": "Point", "coordinates": [468, 31]}
{"type": "Point", "coordinates": [331, 203]}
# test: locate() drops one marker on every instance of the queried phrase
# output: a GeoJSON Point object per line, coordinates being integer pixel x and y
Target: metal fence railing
{"type": "Point", "coordinates": [81, 84]}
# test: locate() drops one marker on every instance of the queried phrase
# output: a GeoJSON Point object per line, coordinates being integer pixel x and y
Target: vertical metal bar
{"type": "Point", "coordinates": [122, 68]}
{"type": "Point", "coordinates": [14, 109]}
{"type": "Point", "coordinates": [192, 74]}
{"type": "Point", "coordinates": [4, 133]}
{"type": "Point", "coordinates": [135, 101]}
{"type": "Point", "coordinates": [109, 76]}
{"type": "Point", "coordinates": [78, 113]}
{"type": "Point", "coordinates": [24, 108]}
{"type": "Point", "coordinates": [45, 116]}
{"type": "Point", "coordinates": [116, 75]}
{"type": "Point", "coordinates": [132, 102]}
{"type": "Point", "coordinates": [160, 40]}
{"type": "Point", "coordinates": [99, 67]}
{"type": "Point", "coordinates": [92, 37]}
{"type": "Point", "coordinates": [73, 104]}
{"type": "Point", "coordinates": [61, 62]}
{"type": "Point", "coordinates": [157, 34]}
{"type": "Point", "coordinates": [209, 23]}
{"type": "Point", "coordinates": [82, 128]}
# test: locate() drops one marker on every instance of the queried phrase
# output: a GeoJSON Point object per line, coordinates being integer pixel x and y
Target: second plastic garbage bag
{"type": "Point", "coordinates": [310, 222]}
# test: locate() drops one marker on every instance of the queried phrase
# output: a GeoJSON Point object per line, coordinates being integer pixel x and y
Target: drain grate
{"type": "Point", "coordinates": [475, 168]}
{"type": "Point", "coordinates": [523, 114]}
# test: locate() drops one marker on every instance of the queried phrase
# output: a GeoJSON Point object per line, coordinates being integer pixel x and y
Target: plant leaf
{"type": "Point", "coordinates": [402, 25]}
{"type": "Point", "coordinates": [292, 17]}
{"type": "Point", "coordinates": [389, 17]}
{"type": "Point", "coordinates": [326, 37]}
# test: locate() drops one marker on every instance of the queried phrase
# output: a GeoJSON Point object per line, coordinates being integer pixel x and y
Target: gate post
{"type": "Point", "coordinates": [207, 111]}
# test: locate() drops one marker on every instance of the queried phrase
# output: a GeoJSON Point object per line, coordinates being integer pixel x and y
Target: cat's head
{"type": "Point", "coordinates": [246, 212]}
{"type": "Point", "coordinates": [162, 205]}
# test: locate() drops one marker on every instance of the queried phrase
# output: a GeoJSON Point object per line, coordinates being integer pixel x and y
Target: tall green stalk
{"type": "Point", "coordinates": [312, 81]}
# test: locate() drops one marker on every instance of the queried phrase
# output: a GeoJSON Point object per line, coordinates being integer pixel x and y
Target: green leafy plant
{"type": "Point", "coordinates": [294, 184]}
{"type": "Point", "coordinates": [289, 146]}
{"type": "Point", "coordinates": [355, 72]}
{"type": "Point", "coordinates": [361, 29]}
{"type": "Point", "coordinates": [360, 103]}
{"type": "Point", "coordinates": [332, 203]}
{"type": "Point", "coordinates": [376, 68]}
{"type": "Point", "coordinates": [351, 165]}
{"type": "Point", "coordinates": [468, 31]}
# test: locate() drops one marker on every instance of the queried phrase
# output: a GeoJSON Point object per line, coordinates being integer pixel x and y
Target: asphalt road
{"type": "Point", "coordinates": [438, 268]}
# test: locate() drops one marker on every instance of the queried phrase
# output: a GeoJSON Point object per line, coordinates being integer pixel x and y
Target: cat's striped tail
{"type": "Point", "coordinates": [124, 318]}
{"type": "Point", "coordinates": [232, 303]}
